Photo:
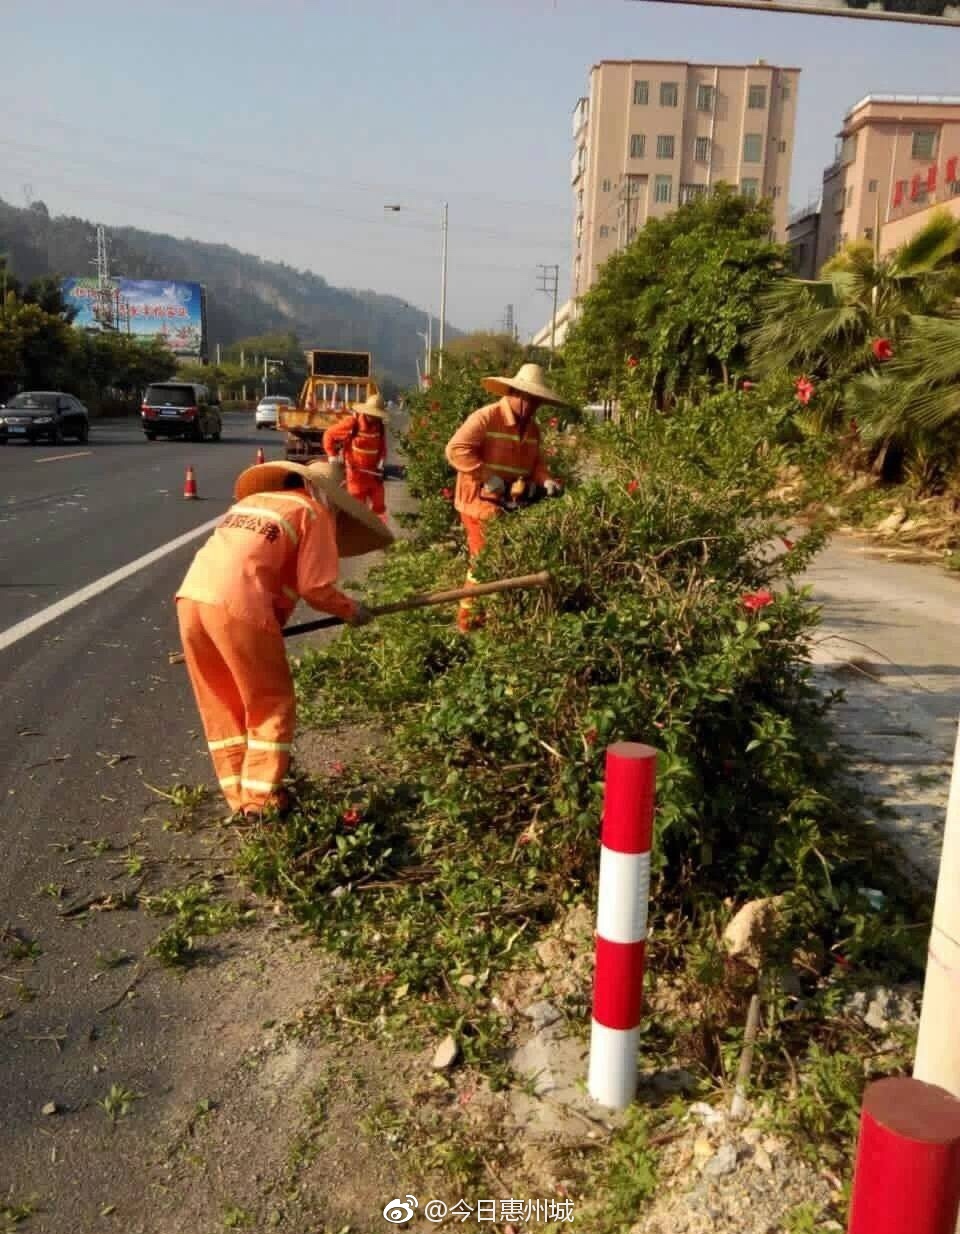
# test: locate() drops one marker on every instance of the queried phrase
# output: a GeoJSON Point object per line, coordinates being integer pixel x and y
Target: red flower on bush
{"type": "Point", "coordinates": [554, 422]}
{"type": "Point", "coordinates": [351, 817]}
{"type": "Point", "coordinates": [805, 390]}
{"type": "Point", "coordinates": [434, 406]}
{"type": "Point", "coordinates": [748, 385]}
{"type": "Point", "coordinates": [632, 362]}
{"type": "Point", "coordinates": [590, 736]}
{"type": "Point", "coordinates": [787, 543]}
{"type": "Point", "coordinates": [337, 769]}
{"type": "Point", "coordinates": [447, 494]}
{"type": "Point", "coordinates": [551, 452]}
{"type": "Point", "coordinates": [756, 600]}
{"type": "Point", "coordinates": [632, 486]}
{"type": "Point", "coordinates": [882, 349]}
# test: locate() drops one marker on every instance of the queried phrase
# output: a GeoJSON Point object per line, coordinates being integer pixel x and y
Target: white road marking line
{"type": "Point", "coordinates": [55, 458]}
{"type": "Point", "coordinates": [30, 625]}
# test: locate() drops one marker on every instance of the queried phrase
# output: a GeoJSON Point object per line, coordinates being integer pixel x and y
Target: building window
{"type": "Point", "coordinates": [604, 232]}
{"type": "Point", "coordinates": [664, 147]}
{"type": "Point", "coordinates": [873, 186]}
{"type": "Point", "coordinates": [704, 98]}
{"type": "Point", "coordinates": [757, 97]}
{"type": "Point", "coordinates": [750, 188]}
{"type": "Point", "coordinates": [669, 93]}
{"type": "Point", "coordinates": [691, 192]}
{"type": "Point", "coordinates": [868, 233]}
{"type": "Point", "coordinates": [605, 186]}
{"type": "Point", "coordinates": [641, 92]}
{"type": "Point", "coordinates": [785, 94]}
{"type": "Point", "coordinates": [777, 192]}
{"type": "Point", "coordinates": [701, 150]}
{"type": "Point", "coordinates": [638, 145]}
{"type": "Point", "coordinates": [663, 189]}
{"type": "Point", "coordinates": [781, 146]}
{"type": "Point", "coordinates": [924, 144]}
{"type": "Point", "coordinates": [753, 148]}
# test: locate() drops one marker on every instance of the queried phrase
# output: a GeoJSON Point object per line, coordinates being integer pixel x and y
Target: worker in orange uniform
{"type": "Point", "coordinates": [281, 542]}
{"type": "Point", "coordinates": [360, 439]}
{"type": "Point", "coordinates": [496, 450]}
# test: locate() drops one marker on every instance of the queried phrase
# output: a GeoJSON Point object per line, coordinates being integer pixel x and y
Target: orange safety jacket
{"type": "Point", "coordinates": [269, 551]}
{"type": "Point", "coordinates": [362, 439]}
{"type": "Point", "coordinates": [489, 443]}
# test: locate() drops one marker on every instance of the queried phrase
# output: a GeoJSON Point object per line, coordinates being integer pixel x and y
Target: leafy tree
{"type": "Point", "coordinates": [675, 307]}
{"type": "Point", "coordinates": [824, 328]}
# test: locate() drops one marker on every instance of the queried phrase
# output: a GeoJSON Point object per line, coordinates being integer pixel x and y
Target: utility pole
{"type": "Point", "coordinates": [508, 321]}
{"type": "Point", "coordinates": [218, 355]}
{"type": "Point", "coordinates": [550, 282]}
{"type": "Point", "coordinates": [443, 282]}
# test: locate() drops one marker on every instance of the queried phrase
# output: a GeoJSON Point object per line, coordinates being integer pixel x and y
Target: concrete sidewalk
{"type": "Point", "coordinates": [890, 639]}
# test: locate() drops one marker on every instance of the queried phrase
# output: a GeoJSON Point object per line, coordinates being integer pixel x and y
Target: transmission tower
{"type": "Point", "coordinates": [549, 277]}
{"type": "Point", "coordinates": [103, 296]}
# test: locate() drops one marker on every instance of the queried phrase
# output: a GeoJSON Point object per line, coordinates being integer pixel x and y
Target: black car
{"type": "Point", "coordinates": [38, 415]}
{"type": "Point", "coordinates": [181, 409]}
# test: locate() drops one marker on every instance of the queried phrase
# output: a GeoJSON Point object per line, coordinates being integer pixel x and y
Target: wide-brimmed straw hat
{"type": "Point", "coordinates": [374, 406]}
{"type": "Point", "coordinates": [359, 530]}
{"type": "Point", "coordinates": [528, 380]}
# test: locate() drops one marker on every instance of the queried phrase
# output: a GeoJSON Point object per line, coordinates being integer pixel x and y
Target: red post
{"type": "Point", "coordinates": [626, 837]}
{"type": "Point", "coordinates": [907, 1176]}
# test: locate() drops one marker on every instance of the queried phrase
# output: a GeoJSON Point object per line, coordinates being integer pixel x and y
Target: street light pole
{"type": "Point", "coordinates": [443, 284]}
{"type": "Point", "coordinates": [444, 227]}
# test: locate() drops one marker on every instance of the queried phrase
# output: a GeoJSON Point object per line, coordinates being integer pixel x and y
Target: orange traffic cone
{"type": "Point", "coordinates": [190, 485]}
{"type": "Point", "coordinates": [260, 458]}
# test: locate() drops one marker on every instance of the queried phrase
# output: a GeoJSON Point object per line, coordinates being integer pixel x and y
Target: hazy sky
{"type": "Point", "coordinates": [284, 127]}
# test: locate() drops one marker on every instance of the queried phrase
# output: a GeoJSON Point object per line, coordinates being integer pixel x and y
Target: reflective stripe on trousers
{"type": "Point", "coordinates": [242, 684]}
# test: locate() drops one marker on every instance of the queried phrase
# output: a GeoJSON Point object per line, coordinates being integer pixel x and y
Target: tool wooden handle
{"type": "Point", "coordinates": [525, 582]}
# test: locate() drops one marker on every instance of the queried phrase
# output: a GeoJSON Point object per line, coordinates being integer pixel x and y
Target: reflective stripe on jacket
{"type": "Point", "coordinates": [489, 443]}
{"type": "Point", "coordinates": [362, 440]}
{"type": "Point", "coordinates": [270, 550]}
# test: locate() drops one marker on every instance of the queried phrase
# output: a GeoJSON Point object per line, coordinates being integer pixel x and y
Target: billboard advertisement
{"type": "Point", "coordinates": [144, 308]}
{"type": "Point", "coordinates": [926, 12]}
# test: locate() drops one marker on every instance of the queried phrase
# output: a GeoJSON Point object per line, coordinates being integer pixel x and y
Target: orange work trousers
{"type": "Point", "coordinates": [242, 684]}
{"type": "Point", "coordinates": [369, 490]}
{"type": "Point", "coordinates": [470, 612]}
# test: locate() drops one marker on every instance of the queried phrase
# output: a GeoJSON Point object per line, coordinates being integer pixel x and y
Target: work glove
{"type": "Point", "coordinates": [493, 485]}
{"type": "Point", "coordinates": [553, 488]}
{"type": "Point", "coordinates": [361, 615]}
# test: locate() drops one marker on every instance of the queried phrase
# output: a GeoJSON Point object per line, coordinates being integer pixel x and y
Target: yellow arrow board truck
{"type": "Point", "coordinates": [335, 381]}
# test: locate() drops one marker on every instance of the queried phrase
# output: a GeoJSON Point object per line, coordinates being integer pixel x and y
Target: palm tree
{"type": "Point", "coordinates": [824, 327]}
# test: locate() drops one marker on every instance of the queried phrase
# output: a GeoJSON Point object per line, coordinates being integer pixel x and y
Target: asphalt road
{"type": "Point", "coordinates": [91, 716]}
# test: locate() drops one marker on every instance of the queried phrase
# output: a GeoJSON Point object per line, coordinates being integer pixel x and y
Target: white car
{"type": "Point", "coordinates": [267, 413]}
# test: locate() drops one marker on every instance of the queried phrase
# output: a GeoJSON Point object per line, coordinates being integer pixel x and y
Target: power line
{"type": "Point", "coordinates": [299, 173]}
{"type": "Point", "coordinates": [336, 245]}
{"type": "Point", "coordinates": [273, 201]}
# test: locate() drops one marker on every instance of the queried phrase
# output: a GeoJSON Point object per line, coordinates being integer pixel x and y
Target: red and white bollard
{"type": "Point", "coordinates": [624, 892]}
{"type": "Point", "coordinates": [907, 1176]}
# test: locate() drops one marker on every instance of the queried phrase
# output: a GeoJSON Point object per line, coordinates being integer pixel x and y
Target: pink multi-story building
{"type": "Point", "coordinates": [897, 156]}
{"type": "Point", "coordinates": [653, 134]}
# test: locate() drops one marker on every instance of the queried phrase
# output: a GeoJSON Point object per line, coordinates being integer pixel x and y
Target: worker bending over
{"type": "Point", "coordinates": [280, 543]}
{"type": "Point", "coordinates": [360, 439]}
{"type": "Point", "coordinates": [495, 451]}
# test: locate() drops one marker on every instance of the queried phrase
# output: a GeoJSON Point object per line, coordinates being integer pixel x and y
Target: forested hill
{"type": "Point", "coordinates": [245, 294]}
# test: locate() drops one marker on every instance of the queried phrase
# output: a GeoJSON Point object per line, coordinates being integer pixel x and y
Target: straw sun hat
{"type": "Point", "coordinates": [359, 530]}
{"type": "Point", "coordinates": [374, 406]}
{"type": "Point", "coordinates": [528, 380]}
